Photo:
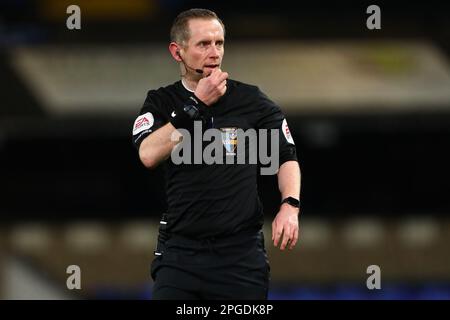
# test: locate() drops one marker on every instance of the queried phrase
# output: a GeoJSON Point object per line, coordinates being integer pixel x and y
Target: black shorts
{"type": "Point", "coordinates": [234, 268]}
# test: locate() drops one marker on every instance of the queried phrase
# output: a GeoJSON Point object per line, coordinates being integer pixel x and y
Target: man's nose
{"type": "Point", "coordinates": [215, 52]}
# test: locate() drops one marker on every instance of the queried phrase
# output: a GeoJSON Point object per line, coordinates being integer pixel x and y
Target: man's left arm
{"type": "Point", "coordinates": [285, 225]}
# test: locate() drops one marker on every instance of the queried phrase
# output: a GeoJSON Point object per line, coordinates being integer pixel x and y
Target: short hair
{"type": "Point", "coordinates": [179, 31]}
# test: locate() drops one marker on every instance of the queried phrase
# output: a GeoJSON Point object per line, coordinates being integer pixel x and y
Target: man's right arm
{"type": "Point", "coordinates": [157, 146]}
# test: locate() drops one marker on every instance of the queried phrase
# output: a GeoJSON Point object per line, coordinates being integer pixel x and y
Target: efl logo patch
{"type": "Point", "coordinates": [287, 132]}
{"type": "Point", "coordinates": [229, 140]}
{"type": "Point", "coordinates": [143, 122]}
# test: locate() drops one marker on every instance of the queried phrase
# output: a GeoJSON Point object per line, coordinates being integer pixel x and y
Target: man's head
{"type": "Point", "coordinates": [197, 41]}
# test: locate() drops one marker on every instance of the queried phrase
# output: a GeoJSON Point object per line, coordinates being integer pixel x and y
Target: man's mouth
{"type": "Point", "coordinates": [211, 66]}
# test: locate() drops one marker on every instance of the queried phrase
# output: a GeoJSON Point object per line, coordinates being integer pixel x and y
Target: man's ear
{"type": "Point", "coordinates": [174, 49]}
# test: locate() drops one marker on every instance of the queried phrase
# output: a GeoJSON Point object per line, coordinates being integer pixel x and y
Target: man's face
{"type": "Point", "coordinates": [204, 50]}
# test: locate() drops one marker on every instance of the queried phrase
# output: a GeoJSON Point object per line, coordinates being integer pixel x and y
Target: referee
{"type": "Point", "coordinates": [210, 243]}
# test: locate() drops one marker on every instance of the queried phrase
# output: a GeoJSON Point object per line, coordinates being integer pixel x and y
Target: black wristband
{"type": "Point", "coordinates": [292, 201]}
{"type": "Point", "coordinates": [192, 110]}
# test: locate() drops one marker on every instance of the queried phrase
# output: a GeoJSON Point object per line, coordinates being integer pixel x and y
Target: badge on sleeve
{"type": "Point", "coordinates": [143, 122]}
{"type": "Point", "coordinates": [287, 132]}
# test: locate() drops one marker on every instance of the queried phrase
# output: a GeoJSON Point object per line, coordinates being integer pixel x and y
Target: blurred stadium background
{"type": "Point", "coordinates": [369, 110]}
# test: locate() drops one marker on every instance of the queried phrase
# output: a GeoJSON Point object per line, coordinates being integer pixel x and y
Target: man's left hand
{"type": "Point", "coordinates": [285, 227]}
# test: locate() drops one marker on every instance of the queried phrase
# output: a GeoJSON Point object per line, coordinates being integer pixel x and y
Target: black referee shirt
{"type": "Point", "coordinates": [214, 200]}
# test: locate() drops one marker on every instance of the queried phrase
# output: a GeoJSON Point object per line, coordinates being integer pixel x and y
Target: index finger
{"type": "Point", "coordinates": [222, 76]}
{"type": "Point", "coordinates": [210, 75]}
{"type": "Point", "coordinates": [214, 72]}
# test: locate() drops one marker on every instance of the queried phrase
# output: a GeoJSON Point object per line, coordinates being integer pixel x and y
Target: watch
{"type": "Point", "coordinates": [192, 111]}
{"type": "Point", "coordinates": [194, 107]}
{"type": "Point", "coordinates": [292, 201]}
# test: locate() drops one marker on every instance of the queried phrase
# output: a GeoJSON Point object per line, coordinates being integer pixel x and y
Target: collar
{"type": "Point", "coordinates": [185, 86]}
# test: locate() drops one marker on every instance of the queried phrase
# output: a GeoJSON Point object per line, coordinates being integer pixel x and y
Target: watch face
{"type": "Point", "coordinates": [191, 110]}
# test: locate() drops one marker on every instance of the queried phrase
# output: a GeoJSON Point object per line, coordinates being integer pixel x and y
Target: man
{"type": "Point", "coordinates": [210, 244]}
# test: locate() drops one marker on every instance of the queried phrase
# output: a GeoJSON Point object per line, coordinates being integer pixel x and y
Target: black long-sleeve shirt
{"type": "Point", "coordinates": [218, 199]}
